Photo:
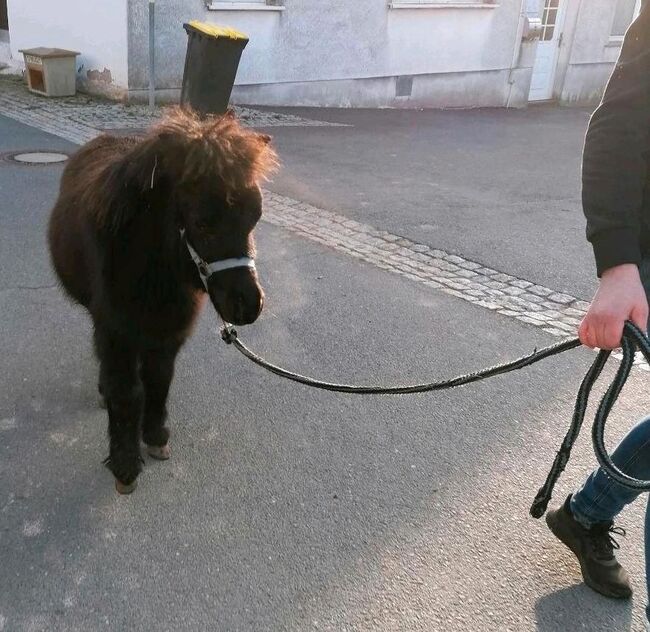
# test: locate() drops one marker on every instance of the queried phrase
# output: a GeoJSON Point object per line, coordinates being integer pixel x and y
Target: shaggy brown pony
{"type": "Point", "coordinates": [128, 213]}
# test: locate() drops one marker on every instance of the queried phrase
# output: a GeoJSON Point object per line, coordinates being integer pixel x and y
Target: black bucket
{"type": "Point", "coordinates": [211, 63]}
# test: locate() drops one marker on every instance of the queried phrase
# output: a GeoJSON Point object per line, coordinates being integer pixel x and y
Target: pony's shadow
{"type": "Point", "coordinates": [578, 607]}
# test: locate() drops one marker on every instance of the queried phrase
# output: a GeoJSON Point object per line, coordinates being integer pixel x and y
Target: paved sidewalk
{"type": "Point", "coordinates": [91, 115]}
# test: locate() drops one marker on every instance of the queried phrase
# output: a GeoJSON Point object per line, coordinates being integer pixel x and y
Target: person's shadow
{"type": "Point", "coordinates": [580, 608]}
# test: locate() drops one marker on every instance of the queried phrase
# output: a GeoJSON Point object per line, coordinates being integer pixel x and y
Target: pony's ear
{"type": "Point", "coordinates": [265, 138]}
{"type": "Point", "coordinates": [129, 183]}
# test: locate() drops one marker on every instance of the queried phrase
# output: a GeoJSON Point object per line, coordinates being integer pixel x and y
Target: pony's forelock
{"type": "Point", "coordinates": [216, 146]}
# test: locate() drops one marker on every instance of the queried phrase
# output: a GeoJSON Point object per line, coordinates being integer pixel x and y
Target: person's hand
{"type": "Point", "coordinates": [620, 297]}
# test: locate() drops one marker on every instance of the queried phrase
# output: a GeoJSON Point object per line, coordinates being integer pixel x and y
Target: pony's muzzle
{"type": "Point", "coordinates": [245, 308]}
{"type": "Point", "coordinates": [237, 296]}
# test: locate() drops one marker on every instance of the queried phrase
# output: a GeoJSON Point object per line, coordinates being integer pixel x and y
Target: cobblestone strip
{"type": "Point", "coordinates": [88, 112]}
{"type": "Point", "coordinates": [557, 313]}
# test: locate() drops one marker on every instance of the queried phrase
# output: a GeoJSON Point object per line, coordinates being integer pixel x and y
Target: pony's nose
{"type": "Point", "coordinates": [246, 307]}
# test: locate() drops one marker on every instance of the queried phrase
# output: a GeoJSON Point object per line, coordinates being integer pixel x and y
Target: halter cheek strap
{"type": "Point", "coordinates": [207, 269]}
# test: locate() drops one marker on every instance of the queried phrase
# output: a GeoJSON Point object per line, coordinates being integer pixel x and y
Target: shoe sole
{"type": "Point", "coordinates": [552, 525]}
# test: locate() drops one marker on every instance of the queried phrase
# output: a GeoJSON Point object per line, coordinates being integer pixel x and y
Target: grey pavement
{"type": "Point", "coordinates": [284, 508]}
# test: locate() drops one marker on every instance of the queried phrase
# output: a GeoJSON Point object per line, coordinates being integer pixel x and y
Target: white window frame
{"type": "Point", "coordinates": [244, 5]}
{"type": "Point", "coordinates": [617, 40]}
{"type": "Point", "coordinates": [443, 4]}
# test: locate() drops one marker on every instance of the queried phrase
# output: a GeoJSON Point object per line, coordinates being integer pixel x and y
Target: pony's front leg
{"type": "Point", "coordinates": [123, 392]}
{"type": "Point", "coordinates": [157, 371]}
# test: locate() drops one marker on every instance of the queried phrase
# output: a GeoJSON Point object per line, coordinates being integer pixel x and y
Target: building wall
{"type": "Point", "coordinates": [330, 52]}
{"type": "Point", "coordinates": [342, 53]}
{"type": "Point", "coordinates": [590, 55]}
{"type": "Point", "coordinates": [98, 30]}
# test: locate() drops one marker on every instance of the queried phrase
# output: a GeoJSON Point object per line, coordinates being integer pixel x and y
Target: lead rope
{"type": "Point", "coordinates": [633, 339]}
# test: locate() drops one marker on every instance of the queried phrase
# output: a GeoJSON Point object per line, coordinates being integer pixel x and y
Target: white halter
{"type": "Point", "coordinates": [206, 270]}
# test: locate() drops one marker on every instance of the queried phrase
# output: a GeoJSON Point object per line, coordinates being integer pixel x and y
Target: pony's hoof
{"type": "Point", "coordinates": [125, 489]}
{"type": "Point", "coordinates": [159, 452]}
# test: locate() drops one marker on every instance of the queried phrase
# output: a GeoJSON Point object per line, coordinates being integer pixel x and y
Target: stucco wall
{"type": "Point", "coordinates": [96, 29]}
{"type": "Point", "coordinates": [592, 56]}
{"type": "Point", "coordinates": [338, 52]}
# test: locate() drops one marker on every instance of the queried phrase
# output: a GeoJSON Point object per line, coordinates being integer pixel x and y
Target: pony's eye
{"type": "Point", "coordinates": [205, 226]}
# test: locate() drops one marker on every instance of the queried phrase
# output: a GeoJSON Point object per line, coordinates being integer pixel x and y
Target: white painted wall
{"type": "Point", "coordinates": [310, 52]}
{"type": "Point", "coordinates": [333, 52]}
{"type": "Point", "coordinates": [97, 29]}
{"type": "Point", "coordinates": [339, 39]}
{"type": "Point", "coordinates": [590, 55]}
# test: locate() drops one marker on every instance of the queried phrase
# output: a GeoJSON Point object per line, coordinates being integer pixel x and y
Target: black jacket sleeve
{"type": "Point", "coordinates": [614, 169]}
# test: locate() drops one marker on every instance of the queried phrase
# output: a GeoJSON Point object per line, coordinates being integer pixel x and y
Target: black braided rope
{"type": "Point", "coordinates": [229, 335]}
{"type": "Point", "coordinates": [633, 339]}
{"type": "Point", "coordinates": [543, 497]}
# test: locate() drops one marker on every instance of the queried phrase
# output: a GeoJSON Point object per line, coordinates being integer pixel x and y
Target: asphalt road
{"type": "Point", "coordinates": [501, 187]}
{"type": "Point", "coordinates": [284, 508]}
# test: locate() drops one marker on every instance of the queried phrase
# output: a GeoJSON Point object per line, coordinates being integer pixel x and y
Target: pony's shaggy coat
{"type": "Point", "coordinates": [116, 246]}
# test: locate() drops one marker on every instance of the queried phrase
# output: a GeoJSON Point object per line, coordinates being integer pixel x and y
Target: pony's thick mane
{"type": "Point", "coordinates": [183, 148]}
{"type": "Point", "coordinates": [217, 146]}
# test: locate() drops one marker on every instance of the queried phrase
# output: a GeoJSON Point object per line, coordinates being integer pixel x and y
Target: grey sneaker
{"type": "Point", "coordinates": [594, 549]}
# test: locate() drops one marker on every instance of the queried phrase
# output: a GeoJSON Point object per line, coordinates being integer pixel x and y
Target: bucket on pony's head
{"type": "Point", "coordinates": [211, 63]}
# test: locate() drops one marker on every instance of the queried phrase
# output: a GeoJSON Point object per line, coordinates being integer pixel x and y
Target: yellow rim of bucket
{"type": "Point", "coordinates": [217, 31]}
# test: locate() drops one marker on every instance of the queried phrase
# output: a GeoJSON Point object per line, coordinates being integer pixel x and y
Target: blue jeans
{"type": "Point", "coordinates": [601, 499]}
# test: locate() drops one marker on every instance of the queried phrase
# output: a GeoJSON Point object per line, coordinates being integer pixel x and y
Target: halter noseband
{"type": "Point", "coordinates": [207, 269]}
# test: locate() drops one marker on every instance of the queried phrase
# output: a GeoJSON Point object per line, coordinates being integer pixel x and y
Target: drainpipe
{"type": "Point", "coordinates": [152, 65]}
{"type": "Point", "coordinates": [517, 50]}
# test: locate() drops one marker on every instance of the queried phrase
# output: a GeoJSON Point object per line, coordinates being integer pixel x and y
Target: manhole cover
{"type": "Point", "coordinates": [40, 158]}
{"type": "Point", "coordinates": [34, 158]}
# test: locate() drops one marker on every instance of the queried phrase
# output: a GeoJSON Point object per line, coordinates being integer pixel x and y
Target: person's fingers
{"type": "Point", "coordinates": [639, 317]}
{"type": "Point", "coordinates": [586, 334]}
{"type": "Point", "coordinates": [583, 333]}
{"type": "Point", "coordinates": [620, 297]}
{"type": "Point", "coordinates": [601, 331]}
{"type": "Point", "coordinates": [610, 333]}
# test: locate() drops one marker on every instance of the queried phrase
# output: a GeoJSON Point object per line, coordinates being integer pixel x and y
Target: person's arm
{"type": "Point", "coordinates": [614, 169]}
{"type": "Point", "coordinates": [614, 175]}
